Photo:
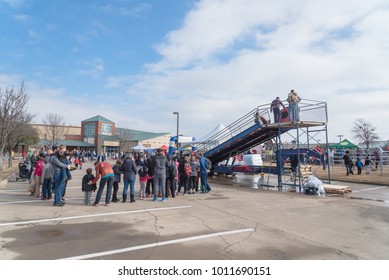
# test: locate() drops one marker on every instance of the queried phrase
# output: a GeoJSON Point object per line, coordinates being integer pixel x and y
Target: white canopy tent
{"type": "Point", "coordinates": [217, 129]}
{"type": "Point", "coordinates": [138, 148]}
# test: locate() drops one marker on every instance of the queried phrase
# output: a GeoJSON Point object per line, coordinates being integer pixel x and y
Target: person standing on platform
{"type": "Point", "coordinates": [293, 109]}
{"type": "Point", "coordinates": [275, 108]}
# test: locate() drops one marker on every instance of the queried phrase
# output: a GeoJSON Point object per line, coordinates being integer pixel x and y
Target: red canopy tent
{"type": "Point", "coordinates": [164, 148]}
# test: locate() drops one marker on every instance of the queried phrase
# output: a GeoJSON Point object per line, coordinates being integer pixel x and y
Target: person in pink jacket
{"type": "Point", "coordinates": [35, 186]}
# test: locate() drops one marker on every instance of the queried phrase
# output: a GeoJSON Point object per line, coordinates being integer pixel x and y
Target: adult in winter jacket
{"type": "Point", "coordinates": [293, 109]}
{"type": "Point", "coordinates": [129, 171]}
{"type": "Point", "coordinates": [47, 178]}
{"type": "Point", "coordinates": [170, 177]}
{"type": "Point", "coordinates": [105, 171]}
{"type": "Point", "coordinates": [204, 174]}
{"type": "Point", "coordinates": [348, 163]}
{"type": "Point", "coordinates": [59, 173]}
{"type": "Point", "coordinates": [159, 167]}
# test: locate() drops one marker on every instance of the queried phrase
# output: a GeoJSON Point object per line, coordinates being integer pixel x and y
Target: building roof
{"type": "Point", "coordinates": [112, 138]}
{"type": "Point", "coordinates": [98, 118]}
{"type": "Point", "coordinates": [70, 143]}
{"type": "Point", "coordinates": [136, 135]}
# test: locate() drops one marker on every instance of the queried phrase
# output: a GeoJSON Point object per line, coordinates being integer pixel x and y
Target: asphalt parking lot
{"type": "Point", "coordinates": [232, 222]}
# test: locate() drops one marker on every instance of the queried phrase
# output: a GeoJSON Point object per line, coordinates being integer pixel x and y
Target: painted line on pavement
{"type": "Point", "coordinates": [371, 189]}
{"type": "Point", "coordinates": [92, 215]}
{"type": "Point", "coordinates": [158, 244]}
{"type": "Point", "coordinates": [38, 200]}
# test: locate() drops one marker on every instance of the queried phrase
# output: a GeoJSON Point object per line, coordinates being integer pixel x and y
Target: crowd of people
{"type": "Point", "coordinates": [160, 175]}
{"type": "Point", "coordinates": [363, 159]}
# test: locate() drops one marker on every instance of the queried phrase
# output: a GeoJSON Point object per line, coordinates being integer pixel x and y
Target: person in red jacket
{"type": "Point", "coordinates": [105, 171]}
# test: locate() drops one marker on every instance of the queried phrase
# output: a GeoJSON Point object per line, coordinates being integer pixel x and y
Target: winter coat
{"type": "Point", "coordinates": [128, 169]}
{"type": "Point", "coordinates": [159, 164]}
{"type": "Point", "coordinates": [85, 186]}
{"type": "Point", "coordinates": [117, 173]}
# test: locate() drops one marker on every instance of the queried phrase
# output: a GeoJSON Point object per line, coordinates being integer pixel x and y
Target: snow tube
{"type": "Point", "coordinates": [264, 121]}
{"type": "Point", "coordinates": [284, 115]}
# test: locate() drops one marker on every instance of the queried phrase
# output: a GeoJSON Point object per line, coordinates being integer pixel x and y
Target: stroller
{"type": "Point", "coordinates": [23, 171]}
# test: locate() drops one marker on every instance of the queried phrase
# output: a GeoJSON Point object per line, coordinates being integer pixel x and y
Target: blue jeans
{"type": "Point", "coordinates": [105, 181]}
{"type": "Point", "coordinates": [131, 182]}
{"type": "Point", "coordinates": [159, 184]}
{"type": "Point", "coordinates": [277, 114]}
{"type": "Point", "coordinates": [46, 188]}
{"type": "Point", "coordinates": [204, 181]}
{"type": "Point", "coordinates": [59, 187]}
{"type": "Point", "coordinates": [293, 111]}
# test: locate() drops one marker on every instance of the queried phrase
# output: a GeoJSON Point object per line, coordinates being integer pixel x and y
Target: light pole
{"type": "Point", "coordinates": [340, 137]}
{"type": "Point", "coordinates": [178, 125]}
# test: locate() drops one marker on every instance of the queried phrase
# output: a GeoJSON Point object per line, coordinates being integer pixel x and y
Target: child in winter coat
{"type": "Point", "coordinates": [36, 182]}
{"type": "Point", "coordinates": [143, 178]}
{"type": "Point", "coordinates": [368, 163]}
{"type": "Point", "coordinates": [86, 188]}
{"type": "Point", "coordinates": [195, 167]}
{"type": "Point", "coordinates": [359, 165]}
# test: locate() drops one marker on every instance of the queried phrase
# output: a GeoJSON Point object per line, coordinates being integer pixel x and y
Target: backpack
{"type": "Point", "coordinates": [142, 172]}
{"type": "Point", "coordinates": [187, 168]}
{"type": "Point", "coordinates": [172, 170]}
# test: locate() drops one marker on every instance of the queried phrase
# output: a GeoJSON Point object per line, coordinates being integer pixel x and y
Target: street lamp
{"type": "Point", "coordinates": [178, 125]}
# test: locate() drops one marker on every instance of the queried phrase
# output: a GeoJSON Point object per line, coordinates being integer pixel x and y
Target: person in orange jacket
{"type": "Point", "coordinates": [105, 171]}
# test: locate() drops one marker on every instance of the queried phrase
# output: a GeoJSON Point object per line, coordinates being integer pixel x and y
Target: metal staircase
{"type": "Point", "coordinates": [257, 127]}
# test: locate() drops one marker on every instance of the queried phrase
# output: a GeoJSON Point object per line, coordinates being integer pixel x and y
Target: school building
{"type": "Point", "coordinates": [99, 134]}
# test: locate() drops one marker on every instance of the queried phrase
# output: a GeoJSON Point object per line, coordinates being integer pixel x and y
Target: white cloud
{"type": "Point", "coordinates": [326, 50]}
{"type": "Point", "coordinates": [21, 17]}
{"type": "Point", "coordinates": [13, 3]}
{"type": "Point", "coordinates": [94, 67]}
{"type": "Point", "coordinates": [231, 55]}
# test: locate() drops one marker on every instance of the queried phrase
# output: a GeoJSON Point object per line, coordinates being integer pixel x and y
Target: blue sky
{"type": "Point", "coordinates": [135, 62]}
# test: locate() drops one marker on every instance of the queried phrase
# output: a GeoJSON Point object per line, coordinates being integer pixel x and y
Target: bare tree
{"type": "Point", "coordinates": [25, 133]}
{"type": "Point", "coordinates": [13, 111]}
{"type": "Point", "coordinates": [55, 129]}
{"type": "Point", "coordinates": [124, 135]}
{"type": "Point", "coordinates": [365, 132]}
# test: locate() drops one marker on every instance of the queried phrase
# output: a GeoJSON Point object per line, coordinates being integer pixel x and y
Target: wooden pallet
{"type": "Point", "coordinates": [336, 189]}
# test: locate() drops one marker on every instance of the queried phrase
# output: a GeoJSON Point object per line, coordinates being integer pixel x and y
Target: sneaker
{"type": "Point", "coordinates": [106, 204]}
{"type": "Point", "coordinates": [58, 204]}
{"type": "Point", "coordinates": [155, 199]}
{"type": "Point", "coordinates": [164, 199]}
{"type": "Point", "coordinates": [95, 204]}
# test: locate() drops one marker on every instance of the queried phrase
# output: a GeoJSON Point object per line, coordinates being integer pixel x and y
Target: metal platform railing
{"type": "Point", "coordinates": [309, 111]}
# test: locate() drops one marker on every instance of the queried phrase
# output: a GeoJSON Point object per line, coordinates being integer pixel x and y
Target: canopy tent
{"type": "Point", "coordinates": [217, 129]}
{"type": "Point", "coordinates": [138, 148]}
{"type": "Point", "coordinates": [164, 148]}
{"type": "Point", "coordinates": [344, 144]}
